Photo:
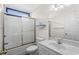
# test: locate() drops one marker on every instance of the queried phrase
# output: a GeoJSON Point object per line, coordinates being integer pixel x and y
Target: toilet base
{"type": "Point", "coordinates": [32, 53]}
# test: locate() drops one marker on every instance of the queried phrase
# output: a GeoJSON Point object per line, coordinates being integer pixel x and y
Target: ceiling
{"type": "Point", "coordinates": [23, 7]}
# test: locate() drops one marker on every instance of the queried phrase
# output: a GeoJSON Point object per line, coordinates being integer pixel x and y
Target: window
{"type": "Point", "coordinates": [17, 13]}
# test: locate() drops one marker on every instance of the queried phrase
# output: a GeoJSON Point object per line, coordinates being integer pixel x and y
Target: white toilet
{"type": "Point", "coordinates": [33, 49]}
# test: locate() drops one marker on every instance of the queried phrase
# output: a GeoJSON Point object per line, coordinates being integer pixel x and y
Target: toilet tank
{"type": "Point", "coordinates": [38, 39]}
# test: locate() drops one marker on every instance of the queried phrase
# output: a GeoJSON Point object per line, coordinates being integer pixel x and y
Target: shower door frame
{"type": "Point", "coordinates": [21, 32]}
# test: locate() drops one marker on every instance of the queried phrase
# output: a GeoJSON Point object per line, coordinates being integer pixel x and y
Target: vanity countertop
{"type": "Point", "coordinates": [64, 48]}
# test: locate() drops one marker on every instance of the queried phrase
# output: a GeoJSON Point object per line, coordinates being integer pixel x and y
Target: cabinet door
{"type": "Point", "coordinates": [46, 51]}
{"type": "Point", "coordinates": [43, 51]}
{"type": "Point", "coordinates": [52, 52]}
{"type": "Point", "coordinates": [12, 31]}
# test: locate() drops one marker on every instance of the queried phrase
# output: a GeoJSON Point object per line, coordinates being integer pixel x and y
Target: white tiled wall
{"type": "Point", "coordinates": [57, 27]}
{"type": "Point", "coordinates": [69, 19]}
{"type": "Point", "coordinates": [65, 21]}
{"type": "Point", "coordinates": [72, 23]}
{"type": "Point", "coordinates": [43, 13]}
{"type": "Point", "coordinates": [42, 32]}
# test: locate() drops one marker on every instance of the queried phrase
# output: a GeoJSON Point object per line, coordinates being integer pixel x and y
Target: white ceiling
{"type": "Point", "coordinates": [24, 7]}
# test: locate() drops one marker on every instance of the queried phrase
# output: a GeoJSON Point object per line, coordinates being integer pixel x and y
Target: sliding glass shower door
{"type": "Point", "coordinates": [12, 31]}
{"type": "Point", "coordinates": [28, 30]}
{"type": "Point", "coordinates": [17, 31]}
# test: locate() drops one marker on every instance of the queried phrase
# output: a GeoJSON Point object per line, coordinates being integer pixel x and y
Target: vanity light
{"type": "Point", "coordinates": [53, 6]}
{"type": "Point", "coordinates": [61, 6]}
{"type": "Point", "coordinates": [56, 7]}
{"type": "Point", "coordinates": [67, 4]}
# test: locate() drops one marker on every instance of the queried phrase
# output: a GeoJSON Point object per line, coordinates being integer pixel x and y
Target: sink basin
{"type": "Point", "coordinates": [58, 46]}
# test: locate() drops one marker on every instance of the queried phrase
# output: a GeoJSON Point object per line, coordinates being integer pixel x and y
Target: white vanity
{"type": "Point", "coordinates": [50, 47]}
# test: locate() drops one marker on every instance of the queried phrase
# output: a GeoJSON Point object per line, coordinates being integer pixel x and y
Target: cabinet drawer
{"type": "Point", "coordinates": [52, 52]}
{"type": "Point", "coordinates": [43, 51]}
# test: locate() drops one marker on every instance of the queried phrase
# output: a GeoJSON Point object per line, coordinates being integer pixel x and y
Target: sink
{"type": "Point", "coordinates": [64, 48]}
{"type": "Point", "coordinates": [57, 46]}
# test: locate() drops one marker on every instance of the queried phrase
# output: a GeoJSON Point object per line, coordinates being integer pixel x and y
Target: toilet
{"type": "Point", "coordinates": [33, 49]}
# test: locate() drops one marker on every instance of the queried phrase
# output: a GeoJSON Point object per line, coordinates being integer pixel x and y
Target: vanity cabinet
{"type": "Point", "coordinates": [43, 50]}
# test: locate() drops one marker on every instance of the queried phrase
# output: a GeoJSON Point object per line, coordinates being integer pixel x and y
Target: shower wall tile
{"type": "Point", "coordinates": [44, 31]}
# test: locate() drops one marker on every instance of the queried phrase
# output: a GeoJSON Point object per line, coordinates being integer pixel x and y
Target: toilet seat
{"type": "Point", "coordinates": [32, 48]}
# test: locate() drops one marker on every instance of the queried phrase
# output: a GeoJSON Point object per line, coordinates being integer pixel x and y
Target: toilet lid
{"type": "Point", "coordinates": [32, 48]}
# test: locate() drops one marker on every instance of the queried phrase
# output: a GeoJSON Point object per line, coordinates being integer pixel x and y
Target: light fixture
{"type": "Point", "coordinates": [61, 6]}
{"type": "Point", "coordinates": [55, 7]}
{"type": "Point", "coordinates": [67, 4]}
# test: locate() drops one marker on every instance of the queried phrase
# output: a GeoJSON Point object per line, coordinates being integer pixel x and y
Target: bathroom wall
{"type": "Point", "coordinates": [57, 23]}
{"type": "Point", "coordinates": [1, 28]}
{"type": "Point", "coordinates": [72, 23]}
{"type": "Point", "coordinates": [57, 27]}
{"type": "Point", "coordinates": [56, 18]}
{"type": "Point", "coordinates": [1, 34]}
{"type": "Point", "coordinates": [42, 31]}
{"type": "Point", "coordinates": [64, 22]}
{"type": "Point", "coordinates": [41, 14]}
